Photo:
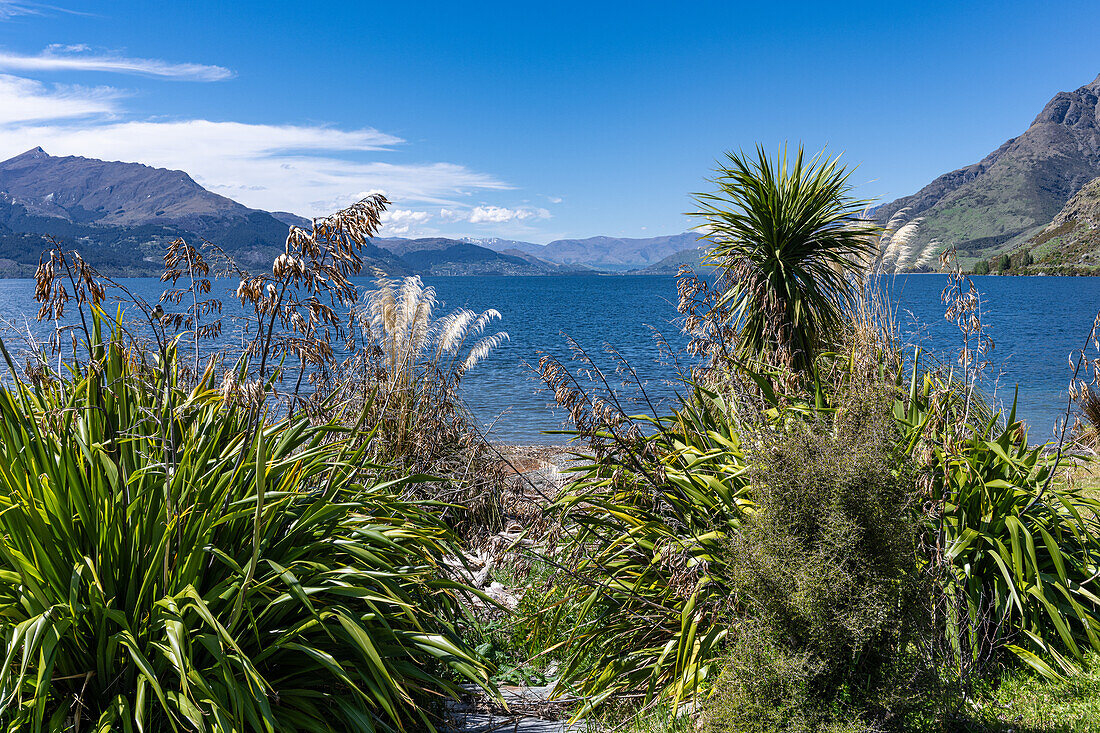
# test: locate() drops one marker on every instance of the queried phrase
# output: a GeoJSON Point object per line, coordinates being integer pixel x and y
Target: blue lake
{"type": "Point", "coordinates": [1035, 322]}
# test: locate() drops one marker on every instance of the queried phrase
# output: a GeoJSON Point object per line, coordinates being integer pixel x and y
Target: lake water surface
{"type": "Point", "coordinates": [1035, 322]}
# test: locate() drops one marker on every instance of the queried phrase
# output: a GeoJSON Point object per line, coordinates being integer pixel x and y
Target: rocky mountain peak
{"type": "Point", "coordinates": [106, 192]}
{"type": "Point", "coordinates": [1078, 109]}
{"type": "Point", "coordinates": [29, 157]}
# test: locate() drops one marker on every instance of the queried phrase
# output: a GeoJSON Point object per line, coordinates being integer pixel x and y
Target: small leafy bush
{"type": "Point", "coordinates": [503, 648]}
{"type": "Point", "coordinates": [516, 644]}
{"type": "Point", "coordinates": [825, 577]}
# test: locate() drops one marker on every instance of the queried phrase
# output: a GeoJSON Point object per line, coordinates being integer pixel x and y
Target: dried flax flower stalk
{"type": "Point", "coordinates": [297, 308]}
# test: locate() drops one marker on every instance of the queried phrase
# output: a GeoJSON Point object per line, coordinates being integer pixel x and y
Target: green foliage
{"type": "Point", "coordinates": [1004, 263]}
{"type": "Point", "coordinates": [871, 552]}
{"type": "Point", "coordinates": [767, 687]}
{"type": "Point", "coordinates": [1014, 552]}
{"type": "Point", "coordinates": [787, 236]}
{"type": "Point", "coordinates": [826, 579]}
{"type": "Point", "coordinates": [641, 603]}
{"type": "Point", "coordinates": [1019, 700]}
{"type": "Point", "coordinates": [661, 719]}
{"type": "Point", "coordinates": [515, 644]}
{"type": "Point", "coordinates": [501, 647]}
{"type": "Point", "coordinates": [981, 267]}
{"type": "Point", "coordinates": [168, 563]}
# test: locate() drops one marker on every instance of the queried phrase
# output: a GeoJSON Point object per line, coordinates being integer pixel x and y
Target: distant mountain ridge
{"type": "Point", "coordinates": [442, 256]}
{"type": "Point", "coordinates": [121, 216]}
{"type": "Point", "coordinates": [612, 254]}
{"type": "Point", "coordinates": [86, 190]}
{"type": "Point", "coordinates": [671, 265]}
{"type": "Point", "coordinates": [504, 245]}
{"type": "Point", "coordinates": [1011, 194]}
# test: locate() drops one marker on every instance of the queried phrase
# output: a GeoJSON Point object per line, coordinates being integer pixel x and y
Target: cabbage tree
{"type": "Point", "coordinates": [788, 237]}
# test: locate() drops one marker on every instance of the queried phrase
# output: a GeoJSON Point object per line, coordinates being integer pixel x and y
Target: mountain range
{"type": "Point", "coordinates": [671, 265]}
{"type": "Point", "coordinates": [610, 254]}
{"type": "Point", "coordinates": [120, 216]}
{"type": "Point", "coordinates": [1036, 199]}
{"type": "Point", "coordinates": [1021, 198]}
{"type": "Point", "coordinates": [442, 256]}
{"type": "Point", "coordinates": [1010, 196]}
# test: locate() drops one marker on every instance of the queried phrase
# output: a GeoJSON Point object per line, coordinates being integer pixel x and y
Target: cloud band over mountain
{"type": "Point", "coordinates": [309, 169]}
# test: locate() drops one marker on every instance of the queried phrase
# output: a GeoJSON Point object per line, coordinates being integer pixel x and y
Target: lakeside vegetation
{"type": "Point", "coordinates": [826, 533]}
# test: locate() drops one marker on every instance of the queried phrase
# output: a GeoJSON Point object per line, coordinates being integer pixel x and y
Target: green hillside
{"type": "Point", "coordinates": [1069, 245]}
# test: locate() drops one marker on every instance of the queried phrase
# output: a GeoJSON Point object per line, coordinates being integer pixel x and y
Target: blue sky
{"type": "Point", "coordinates": [523, 120]}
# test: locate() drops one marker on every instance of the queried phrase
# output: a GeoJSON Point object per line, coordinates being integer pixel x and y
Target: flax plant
{"type": "Point", "coordinates": [641, 600]}
{"type": "Point", "coordinates": [262, 581]}
{"type": "Point", "coordinates": [298, 309]}
{"type": "Point", "coordinates": [177, 552]}
{"type": "Point", "coordinates": [1015, 555]}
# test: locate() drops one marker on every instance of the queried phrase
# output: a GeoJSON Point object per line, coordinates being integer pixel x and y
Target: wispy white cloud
{"type": "Point", "coordinates": [14, 8]}
{"type": "Point", "coordinates": [455, 220]}
{"type": "Point", "coordinates": [307, 169]}
{"type": "Point", "coordinates": [11, 9]}
{"type": "Point", "coordinates": [80, 58]}
{"type": "Point", "coordinates": [399, 222]}
{"type": "Point", "coordinates": [494, 214]}
{"type": "Point", "coordinates": [26, 100]}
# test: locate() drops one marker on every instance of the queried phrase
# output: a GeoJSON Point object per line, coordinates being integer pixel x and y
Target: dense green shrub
{"type": "Point", "coordinates": [981, 267]}
{"type": "Point", "coordinates": [825, 578]}
{"type": "Point", "coordinates": [767, 687]}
